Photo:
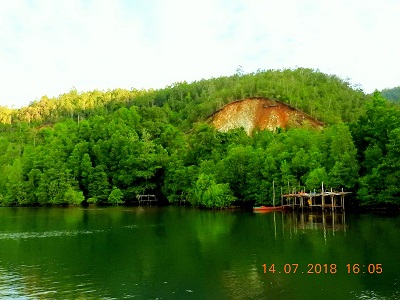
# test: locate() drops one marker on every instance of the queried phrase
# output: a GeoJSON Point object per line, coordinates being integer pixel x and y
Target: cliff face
{"type": "Point", "coordinates": [262, 113]}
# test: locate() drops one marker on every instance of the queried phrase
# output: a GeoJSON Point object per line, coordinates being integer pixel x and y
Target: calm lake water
{"type": "Point", "coordinates": [186, 253]}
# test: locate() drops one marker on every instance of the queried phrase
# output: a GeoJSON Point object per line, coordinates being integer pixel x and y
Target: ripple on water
{"type": "Point", "coordinates": [45, 234]}
{"type": "Point", "coordinates": [58, 233]}
{"type": "Point", "coordinates": [140, 226]}
{"type": "Point", "coordinates": [371, 295]}
{"type": "Point", "coordinates": [10, 286]}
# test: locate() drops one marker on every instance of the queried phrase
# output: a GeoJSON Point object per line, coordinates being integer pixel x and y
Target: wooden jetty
{"type": "Point", "coordinates": [326, 200]}
{"type": "Point", "coordinates": [146, 199]}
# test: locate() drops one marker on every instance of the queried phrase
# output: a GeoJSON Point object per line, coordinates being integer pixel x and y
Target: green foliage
{"type": "Point", "coordinates": [116, 196]}
{"type": "Point", "coordinates": [325, 97]}
{"type": "Point", "coordinates": [377, 138]}
{"type": "Point", "coordinates": [98, 185]}
{"type": "Point", "coordinates": [210, 194]}
{"type": "Point", "coordinates": [73, 197]}
{"type": "Point", "coordinates": [107, 147]}
{"type": "Point", "coordinates": [392, 94]}
{"type": "Point", "coordinates": [315, 178]}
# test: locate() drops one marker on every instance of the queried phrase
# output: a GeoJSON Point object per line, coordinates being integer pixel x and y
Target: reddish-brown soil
{"type": "Point", "coordinates": [262, 113]}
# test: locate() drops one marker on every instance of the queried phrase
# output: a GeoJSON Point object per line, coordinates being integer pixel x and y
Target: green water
{"type": "Point", "coordinates": [185, 253]}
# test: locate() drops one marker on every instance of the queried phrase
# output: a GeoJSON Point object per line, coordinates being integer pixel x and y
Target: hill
{"type": "Point", "coordinates": [323, 97]}
{"type": "Point", "coordinates": [392, 94]}
{"type": "Point", "coordinates": [106, 147]}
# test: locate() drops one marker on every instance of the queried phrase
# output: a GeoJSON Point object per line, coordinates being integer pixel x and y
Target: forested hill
{"type": "Point", "coordinates": [327, 98]}
{"type": "Point", "coordinates": [392, 94]}
{"type": "Point", "coordinates": [107, 147]}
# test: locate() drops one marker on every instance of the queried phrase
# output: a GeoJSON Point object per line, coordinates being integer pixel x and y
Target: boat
{"type": "Point", "coordinates": [264, 208]}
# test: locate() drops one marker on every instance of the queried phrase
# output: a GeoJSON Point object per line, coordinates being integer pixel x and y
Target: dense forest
{"type": "Point", "coordinates": [392, 95]}
{"type": "Point", "coordinates": [106, 147]}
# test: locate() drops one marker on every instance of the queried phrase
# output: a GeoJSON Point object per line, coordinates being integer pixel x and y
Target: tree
{"type": "Point", "coordinates": [376, 136]}
{"type": "Point", "coordinates": [73, 196]}
{"type": "Point", "coordinates": [116, 196]}
{"type": "Point", "coordinates": [315, 178]}
{"type": "Point", "coordinates": [99, 186]}
{"type": "Point", "coordinates": [210, 194]}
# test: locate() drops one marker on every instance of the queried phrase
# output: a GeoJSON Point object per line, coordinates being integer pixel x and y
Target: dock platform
{"type": "Point", "coordinates": [147, 199]}
{"type": "Point", "coordinates": [325, 200]}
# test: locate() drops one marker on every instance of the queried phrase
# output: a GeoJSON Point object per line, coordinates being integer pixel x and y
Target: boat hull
{"type": "Point", "coordinates": [267, 208]}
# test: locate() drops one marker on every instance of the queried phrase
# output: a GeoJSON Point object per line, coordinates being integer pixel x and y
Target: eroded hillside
{"type": "Point", "coordinates": [262, 113]}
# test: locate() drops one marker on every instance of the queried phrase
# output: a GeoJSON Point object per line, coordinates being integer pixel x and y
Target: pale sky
{"type": "Point", "coordinates": [50, 47]}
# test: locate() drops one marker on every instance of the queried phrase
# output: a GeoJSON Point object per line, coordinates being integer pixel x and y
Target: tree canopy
{"type": "Point", "coordinates": [106, 147]}
{"type": "Point", "coordinates": [392, 94]}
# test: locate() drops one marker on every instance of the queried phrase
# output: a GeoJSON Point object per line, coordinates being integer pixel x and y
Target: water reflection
{"type": "Point", "coordinates": [315, 220]}
{"type": "Point", "coordinates": [300, 222]}
{"type": "Point", "coordinates": [185, 253]}
{"type": "Point", "coordinates": [10, 286]}
{"type": "Point", "coordinates": [23, 284]}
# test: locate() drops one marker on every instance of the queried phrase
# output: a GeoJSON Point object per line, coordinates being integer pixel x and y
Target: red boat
{"type": "Point", "coordinates": [266, 208]}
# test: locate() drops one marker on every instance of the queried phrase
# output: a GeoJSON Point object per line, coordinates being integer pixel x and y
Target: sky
{"type": "Point", "coordinates": [50, 47]}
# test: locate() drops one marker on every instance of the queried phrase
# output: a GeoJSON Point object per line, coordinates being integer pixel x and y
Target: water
{"type": "Point", "coordinates": [186, 253]}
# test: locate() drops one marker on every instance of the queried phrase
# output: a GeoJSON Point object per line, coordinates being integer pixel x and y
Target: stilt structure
{"type": "Point", "coordinates": [326, 200]}
{"type": "Point", "coordinates": [146, 199]}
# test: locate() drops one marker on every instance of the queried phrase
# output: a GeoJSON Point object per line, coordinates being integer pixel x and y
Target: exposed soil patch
{"type": "Point", "coordinates": [262, 113]}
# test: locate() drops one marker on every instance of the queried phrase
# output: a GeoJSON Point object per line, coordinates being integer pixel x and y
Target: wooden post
{"type": "Point", "coordinates": [273, 192]}
{"type": "Point", "coordinates": [299, 187]}
{"type": "Point", "coordinates": [343, 202]}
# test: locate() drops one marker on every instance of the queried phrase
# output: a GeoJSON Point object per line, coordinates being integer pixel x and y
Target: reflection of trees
{"type": "Point", "coordinates": [212, 227]}
{"type": "Point", "coordinates": [63, 250]}
{"type": "Point", "coordinates": [299, 222]}
{"type": "Point", "coordinates": [153, 252]}
{"type": "Point", "coordinates": [233, 282]}
{"type": "Point", "coordinates": [375, 239]}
